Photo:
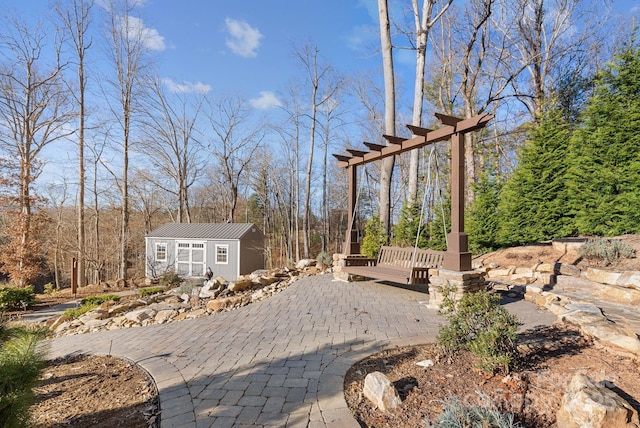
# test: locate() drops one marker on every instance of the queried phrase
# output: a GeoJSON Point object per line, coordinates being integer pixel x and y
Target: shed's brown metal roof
{"type": "Point", "coordinates": [202, 230]}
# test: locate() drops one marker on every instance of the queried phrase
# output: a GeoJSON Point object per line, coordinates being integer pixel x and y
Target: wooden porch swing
{"type": "Point", "coordinates": [411, 265]}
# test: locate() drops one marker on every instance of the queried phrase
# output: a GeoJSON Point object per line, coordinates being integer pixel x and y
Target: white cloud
{"type": "Point", "coordinates": [134, 28]}
{"type": "Point", "coordinates": [244, 40]}
{"type": "Point", "coordinates": [265, 101]}
{"type": "Point", "coordinates": [186, 87]}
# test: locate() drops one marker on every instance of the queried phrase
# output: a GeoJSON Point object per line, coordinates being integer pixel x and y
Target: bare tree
{"type": "Point", "coordinates": [170, 127]}
{"type": "Point", "coordinates": [318, 76]}
{"type": "Point", "coordinates": [389, 113]}
{"type": "Point", "coordinates": [424, 20]}
{"type": "Point", "coordinates": [34, 112]}
{"type": "Point", "coordinates": [129, 58]}
{"type": "Point", "coordinates": [75, 20]}
{"type": "Point", "coordinates": [547, 38]}
{"type": "Point", "coordinates": [234, 143]}
{"type": "Point", "coordinates": [290, 134]}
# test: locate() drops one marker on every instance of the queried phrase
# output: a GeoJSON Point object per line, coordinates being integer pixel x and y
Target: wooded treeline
{"type": "Point", "coordinates": [142, 150]}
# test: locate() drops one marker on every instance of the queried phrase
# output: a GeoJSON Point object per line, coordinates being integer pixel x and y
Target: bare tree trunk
{"type": "Point", "coordinates": [75, 21]}
{"type": "Point", "coordinates": [386, 171]}
{"type": "Point", "coordinates": [423, 24]}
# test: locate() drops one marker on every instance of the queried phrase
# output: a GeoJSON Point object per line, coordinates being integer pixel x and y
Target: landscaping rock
{"type": "Point", "coordinates": [587, 404]}
{"type": "Point", "coordinates": [582, 313]}
{"type": "Point", "coordinates": [239, 285]}
{"type": "Point", "coordinates": [305, 263]}
{"type": "Point", "coordinates": [381, 392]}
{"type": "Point", "coordinates": [165, 315]}
{"type": "Point", "coordinates": [140, 315]}
{"type": "Point", "coordinates": [602, 276]}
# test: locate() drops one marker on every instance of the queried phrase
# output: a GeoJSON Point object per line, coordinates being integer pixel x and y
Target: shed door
{"type": "Point", "coordinates": [190, 258]}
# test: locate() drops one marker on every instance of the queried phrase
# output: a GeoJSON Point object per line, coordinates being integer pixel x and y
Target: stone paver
{"type": "Point", "coordinates": [279, 362]}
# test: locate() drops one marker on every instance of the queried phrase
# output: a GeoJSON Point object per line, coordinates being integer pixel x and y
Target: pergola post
{"type": "Point", "coordinates": [457, 257]}
{"type": "Point", "coordinates": [351, 244]}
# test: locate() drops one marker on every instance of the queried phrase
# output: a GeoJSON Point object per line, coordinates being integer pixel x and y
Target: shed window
{"type": "Point", "coordinates": [161, 252]}
{"type": "Point", "coordinates": [222, 254]}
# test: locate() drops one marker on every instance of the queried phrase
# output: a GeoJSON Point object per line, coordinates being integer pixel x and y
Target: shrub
{"type": "Point", "coordinates": [14, 298]}
{"type": "Point", "coordinates": [89, 303]}
{"type": "Point", "coordinates": [324, 259]}
{"type": "Point", "coordinates": [479, 324]}
{"type": "Point", "coordinates": [21, 363]}
{"type": "Point", "coordinates": [459, 415]}
{"type": "Point", "coordinates": [186, 288]}
{"type": "Point", "coordinates": [374, 237]}
{"type": "Point", "coordinates": [99, 299]}
{"type": "Point", "coordinates": [150, 290]}
{"type": "Point", "coordinates": [78, 312]}
{"type": "Point", "coordinates": [608, 251]}
{"type": "Point", "coordinates": [171, 280]}
{"type": "Point", "coordinates": [49, 288]}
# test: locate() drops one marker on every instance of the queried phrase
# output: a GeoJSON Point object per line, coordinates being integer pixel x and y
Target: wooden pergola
{"type": "Point", "coordinates": [457, 256]}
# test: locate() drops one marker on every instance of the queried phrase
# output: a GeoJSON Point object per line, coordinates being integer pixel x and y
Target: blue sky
{"type": "Point", "coordinates": [246, 47]}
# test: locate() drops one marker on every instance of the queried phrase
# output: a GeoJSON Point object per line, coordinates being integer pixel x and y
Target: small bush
{"type": "Point", "coordinates": [150, 290]}
{"type": "Point", "coordinates": [479, 324]}
{"type": "Point", "coordinates": [324, 259]}
{"type": "Point", "coordinates": [607, 251]}
{"type": "Point", "coordinates": [374, 237]}
{"type": "Point", "coordinates": [99, 299]}
{"type": "Point", "coordinates": [186, 288]}
{"type": "Point", "coordinates": [459, 415]}
{"type": "Point", "coordinates": [171, 280]}
{"type": "Point", "coordinates": [14, 298]}
{"type": "Point", "coordinates": [79, 311]}
{"type": "Point", "coordinates": [89, 303]}
{"type": "Point", "coordinates": [21, 363]}
{"type": "Point", "coordinates": [49, 289]}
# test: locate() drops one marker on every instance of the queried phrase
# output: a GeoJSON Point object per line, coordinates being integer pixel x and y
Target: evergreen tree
{"type": "Point", "coordinates": [533, 202]}
{"type": "Point", "coordinates": [482, 219]}
{"type": "Point", "coordinates": [405, 232]}
{"type": "Point", "coordinates": [374, 237]}
{"type": "Point", "coordinates": [604, 177]}
{"type": "Point", "coordinates": [439, 225]}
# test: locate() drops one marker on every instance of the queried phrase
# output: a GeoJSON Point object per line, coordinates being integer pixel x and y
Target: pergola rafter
{"type": "Point", "coordinates": [457, 257]}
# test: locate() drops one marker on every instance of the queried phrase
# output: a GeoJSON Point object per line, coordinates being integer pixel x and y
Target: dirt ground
{"type": "Point", "coordinates": [95, 391]}
{"type": "Point", "coordinates": [533, 393]}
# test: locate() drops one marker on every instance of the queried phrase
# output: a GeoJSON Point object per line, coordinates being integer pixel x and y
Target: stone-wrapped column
{"type": "Point", "coordinates": [461, 282]}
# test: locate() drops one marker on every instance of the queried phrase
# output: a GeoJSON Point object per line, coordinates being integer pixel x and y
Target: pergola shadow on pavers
{"type": "Point", "coordinates": [278, 362]}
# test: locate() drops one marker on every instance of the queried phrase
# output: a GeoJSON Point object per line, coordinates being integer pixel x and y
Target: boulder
{"type": "Point", "coordinates": [227, 302]}
{"type": "Point", "coordinates": [165, 315]}
{"type": "Point", "coordinates": [198, 313]}
{"type": "Point", "coordinates": [305, 263]}
{"type": "Point", "coordinates": [583, 313]}
{"type": "Point", "coordinates": [609, 333]}
{"type": "Point", "coordinates": [381, 392]}
{"type": "Point", "coordinates": [240, 285]}
{"type": "Point", "coordinates": [95, 314]}
{"type": "Point", "coordinates": [567, 269]}
{"type": "Point", "coordinates": [587, 404]}
{"type": "Point", "coordinates": [140, 315]}
{"type": "Point", "coordinates": [602, 276]}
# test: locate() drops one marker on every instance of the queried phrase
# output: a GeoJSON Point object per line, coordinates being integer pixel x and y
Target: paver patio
{"type": "Point", "coordinates": [279, 362]}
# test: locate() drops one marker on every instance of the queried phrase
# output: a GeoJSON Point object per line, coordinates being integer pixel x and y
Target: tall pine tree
{"type": "Point", "coordinates": [482, 219]}
{"type": "Point", "coordinates": [604, 176]}
{"type": "Point", "coordinates": [533, 202]}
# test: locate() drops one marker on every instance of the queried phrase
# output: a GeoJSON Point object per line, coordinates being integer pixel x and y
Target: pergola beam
{"type": "Point", "coordinates": [423, 138]}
